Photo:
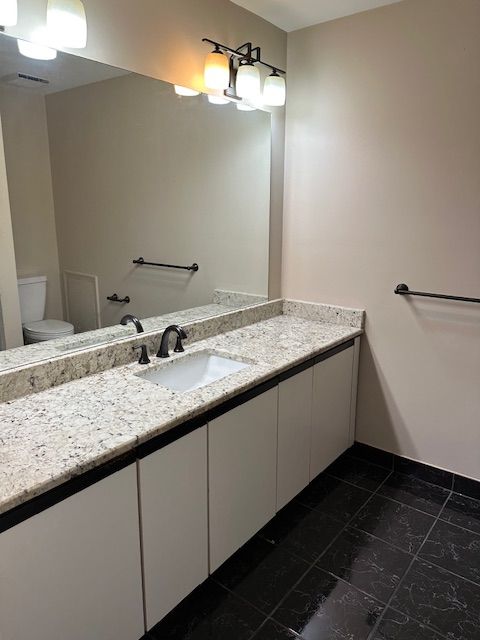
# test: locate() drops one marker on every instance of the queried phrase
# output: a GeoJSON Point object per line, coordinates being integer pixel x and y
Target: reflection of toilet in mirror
{"type": "Point", "coordinates": [33, 296]}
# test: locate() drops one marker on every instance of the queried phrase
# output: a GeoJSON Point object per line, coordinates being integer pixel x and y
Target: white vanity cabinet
{"type": "Point", "coordinates": [242, 458]}
{"type": "Point", "coordinates": [294, 435]}
{"type": "Point", "coordinates": [173, 499]}
{"type": "Point", "coordinates": [73, 571]}
{"type": "Point", "coordinates": [331, 409]}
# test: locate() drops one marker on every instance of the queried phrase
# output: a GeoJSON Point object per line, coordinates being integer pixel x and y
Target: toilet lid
{"type": "Point", "coordinates": [49, 327]}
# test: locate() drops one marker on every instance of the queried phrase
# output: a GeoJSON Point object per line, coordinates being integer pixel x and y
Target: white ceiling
{"type": "Point", "coordinates": [290, 15]}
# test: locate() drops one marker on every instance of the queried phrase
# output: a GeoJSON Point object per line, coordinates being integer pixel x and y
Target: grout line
{"type": "Point", "coordinates": [400, 582]}
{"type": "Point", "coordinates": [332, 542]}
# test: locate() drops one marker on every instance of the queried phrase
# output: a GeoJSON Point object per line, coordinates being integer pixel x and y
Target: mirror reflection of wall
{"type": "Point", "coordinates": [104, 166]}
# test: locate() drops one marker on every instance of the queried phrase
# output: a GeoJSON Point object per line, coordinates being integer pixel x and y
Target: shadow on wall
{"type": "Point", "coordinates": [375, 396]}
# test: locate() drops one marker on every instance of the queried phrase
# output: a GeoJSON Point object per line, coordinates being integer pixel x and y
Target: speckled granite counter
{"type": "Point", "coordinates": [50, 437]}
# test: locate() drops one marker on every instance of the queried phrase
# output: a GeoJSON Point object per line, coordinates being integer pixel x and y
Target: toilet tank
{"type": "Point", "coordinates": [33, 296]}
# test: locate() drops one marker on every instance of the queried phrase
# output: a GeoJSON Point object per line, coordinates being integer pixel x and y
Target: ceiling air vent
{"type": "Point", "coordinates": [24, 80]}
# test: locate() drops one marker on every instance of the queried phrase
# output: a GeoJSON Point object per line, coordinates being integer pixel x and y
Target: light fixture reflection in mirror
{"type": "Point", "coordinates": [185, 91]}
{"type": "Point", "coordinates": [36, 49]}
{"type": "Point", "coordinates": [217, 99]}
{"type": "Point", "coordinates": [67, 23]}
{"type": "Point", "coordinates": [8, 13]}
{"type": "Point", "coordinates": [242, 106]}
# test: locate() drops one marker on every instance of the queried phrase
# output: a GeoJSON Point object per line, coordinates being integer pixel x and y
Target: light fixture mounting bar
{"type": "Point", "coordinates": [238, 53]}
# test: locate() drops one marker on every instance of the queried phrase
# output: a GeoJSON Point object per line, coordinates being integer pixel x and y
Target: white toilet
{"type": "Point", "coordinates": [33, 297]}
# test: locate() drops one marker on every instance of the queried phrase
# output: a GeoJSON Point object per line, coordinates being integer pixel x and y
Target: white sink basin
{"type": "Point", "coordinates": [193, 371]}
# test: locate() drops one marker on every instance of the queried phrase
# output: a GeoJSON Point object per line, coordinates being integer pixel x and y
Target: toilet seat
{"type": "Point", "coordinates": [43, 330]}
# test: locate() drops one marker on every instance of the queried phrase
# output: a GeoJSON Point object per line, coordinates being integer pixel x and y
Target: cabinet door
{"type": "Point", "coordinates": [73, 571]}
{"type": "Point", "coordinates": [173, 498]}
{"type": "Point", "coordinates": [294, 435]}
{"type": "Point", "coordinates": [242, 447]}
{"type": "Point", "coordinates": [332, 390]}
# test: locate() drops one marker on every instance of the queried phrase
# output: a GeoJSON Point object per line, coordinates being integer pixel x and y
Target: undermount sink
{"type": "Point", "coordinates": [193, 371]}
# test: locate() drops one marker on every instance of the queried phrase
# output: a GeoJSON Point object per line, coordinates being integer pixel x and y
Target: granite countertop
{"type": "Point", "coordinates": [55, 435]}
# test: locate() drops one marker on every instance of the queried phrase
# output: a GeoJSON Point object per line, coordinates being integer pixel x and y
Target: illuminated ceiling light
{"type": "Point", "coordinates": [217, 99]}
{"type": "Point", "coordinates": [242, 106]}
{"type": "Point", "coordinates": [8, 13]}
{"type": "Point", "coordinates": [274, 91]}
{"type": "Point", "coordinates": [217, 70]}
{"type": "Point", "coordinates": [67, 23]}
{"type": "Point", "coordinates": [37, 49]}
{"type": "Point", "coordinates": [248, 81]}
{"type": "Point", "coordinates": [185, 91]}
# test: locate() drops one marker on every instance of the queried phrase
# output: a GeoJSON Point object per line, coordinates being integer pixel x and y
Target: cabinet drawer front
{"type": "Point", "coordinates": [242, 474]}
{"type": "Point", "coordinates": [74, 571]}
{"type": "Point", "coordinates": [173, 498]}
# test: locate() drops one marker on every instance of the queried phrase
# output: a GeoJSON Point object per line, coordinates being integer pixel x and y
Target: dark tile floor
{"type": "Point", "coordinates": [363, 553]}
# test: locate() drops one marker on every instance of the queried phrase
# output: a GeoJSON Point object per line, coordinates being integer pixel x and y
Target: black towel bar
{"type": "Point", "coordinates": [142, 261]}
{"type": "Point", "coordinates": [403, 290]}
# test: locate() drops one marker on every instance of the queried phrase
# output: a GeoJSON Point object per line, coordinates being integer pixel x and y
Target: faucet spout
{"type": "Point", "coordinates": [163, 350]}
{"type": "Point", "coordinates": [133, 319]}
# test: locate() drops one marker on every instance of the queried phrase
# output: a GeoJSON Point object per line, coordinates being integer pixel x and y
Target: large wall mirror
{"type": "Point", "coordinates": [103, 167]}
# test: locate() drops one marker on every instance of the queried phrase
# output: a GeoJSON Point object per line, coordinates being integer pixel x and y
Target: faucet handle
{"type": "Point", "coordinates": [144, 359]}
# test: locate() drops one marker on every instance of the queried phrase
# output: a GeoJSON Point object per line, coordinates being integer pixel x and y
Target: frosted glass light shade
{"type": "Point", "coordinates": [67, 23]}
{"type": "Point", "coordinates": [248, 82]}
{"type": "Point", "coordinates": [241, 106]}
{"type": "Point", "coordinates": [217, 99]}
{"type": "Point", "coordinates": [217, 71]}
{"type": "Point", "coordinates": [36, 51]}
{"type": "Point", "coordinates": [274, 91]}
{"type": "Point", "coordinates": [8, 13]}
{"type": "Point", "coordinates": [185, 91]}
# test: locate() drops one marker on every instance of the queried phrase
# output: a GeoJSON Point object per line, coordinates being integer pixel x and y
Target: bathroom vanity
{"type": "Point", "coordinates": [121, 495]}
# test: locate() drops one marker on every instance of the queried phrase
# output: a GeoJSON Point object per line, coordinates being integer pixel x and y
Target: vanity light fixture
{"type": "Point", "coordinates": [248, 81]}
{"type": "Point", "coordinates": [185, 91]}
{"type": "Point", "coordinates": [8, 13]}
{"type": "Point", "coordinates": [274, 90]}
{"type": "Point", "coordinates": [244, 75]}
{"type": "Point", "coordinates": [67, 23]}
{"type": "Point", "coordinates": [217, 70]}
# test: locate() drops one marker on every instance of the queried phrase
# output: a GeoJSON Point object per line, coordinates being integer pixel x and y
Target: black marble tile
{"type": "Point", "coordinates": [467, 486]}
{"type": "Point", "coordinates": [209, 613]}
{"type": "Point", "coordinates": [301, 531]}
{"type": "Point", "coordinates": [454, 549]}
{"type": "Point", "coordinates": [463, 511]}
{"type": "Point", "coordinates": [366, 563]}
{"type": "Point", "coordinates": [424, 472]}
{"type": "Point", "coordinates": [415, 493]}
{"type": "Point", "coordinates": [273, 631]}
{"type": "Point", "coordinates": [333, 497]}
{"type": "Point", "coordinates": [261, 573]}
{"type": "Point", "coordinates": [448, 604]}
{"type": "Point", "coordinates": [395, 523]}
{"type": "Point", "coordinates": [371, 454]}
{"type": "Point", "coordinates": [398, 626]}
{"type": "Point", "coordinates": [321, 607]}
{"type": "Point", "coordinates": [358, 472]}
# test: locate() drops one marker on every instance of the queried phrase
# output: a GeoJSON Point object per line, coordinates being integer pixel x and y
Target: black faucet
{"type": "Point", "coordinates": [144, 359]}
{"type": "Point", "coordinates": [129, 318]}
{"type": "Point", "coordinates": [174, 328]}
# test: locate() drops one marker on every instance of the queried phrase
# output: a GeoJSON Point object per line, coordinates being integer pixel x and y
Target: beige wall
{"type": "Point", "coordinates": [10, 323]}
{"type": "Point", "coordinates": [382, 187]}
{"type": "Point", "coordinates": [162, 39]}
{"type": "Point", "coordinates": [30, 188]}
{"type": "Point", "coordinates": [139, 172]}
